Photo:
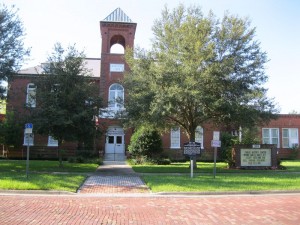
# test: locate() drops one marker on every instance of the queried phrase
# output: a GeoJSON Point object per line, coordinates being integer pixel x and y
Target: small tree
{"type": "Point", "coordinates": [145, 141]}
{"type": "Point", "coordinates": [11, 130]}
{"type": "Point", "coordinates": [12, 51]}
{"type": "Point", "coordinates": [67, 98]}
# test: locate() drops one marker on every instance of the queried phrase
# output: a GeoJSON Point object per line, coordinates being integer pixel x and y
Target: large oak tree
{"type": "Point", "coordinates": [200, 69]}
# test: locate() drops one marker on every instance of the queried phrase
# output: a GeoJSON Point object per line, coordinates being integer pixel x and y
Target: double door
{"type": "Point", "coordinates": [115, 143]}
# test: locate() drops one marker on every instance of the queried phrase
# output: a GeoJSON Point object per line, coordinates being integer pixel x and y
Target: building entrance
{"type": "Point", "coordinates": [115, 146]}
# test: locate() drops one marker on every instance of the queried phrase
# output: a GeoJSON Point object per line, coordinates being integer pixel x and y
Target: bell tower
{"type": "Point", "coordinates": [116, 29]}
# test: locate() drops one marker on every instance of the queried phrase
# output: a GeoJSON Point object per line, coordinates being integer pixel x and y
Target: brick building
{"type": "Point", "coordinates": [118, 30]}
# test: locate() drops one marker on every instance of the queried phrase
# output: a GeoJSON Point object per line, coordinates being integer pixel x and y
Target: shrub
{"type": "Point", "coordinates": [145, 141]}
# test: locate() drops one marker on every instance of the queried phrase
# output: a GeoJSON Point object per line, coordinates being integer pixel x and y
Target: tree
{"type": "Point", "coordinates": [146, 141]}
{"type": "Point", "coordinates": [11, 130]}
{"type": "Point", "coordinates": [199, 70]}
{"type": "Point", "coordinates": [12, 51]}
{"type": "Point", "coordinates": [67, 98]}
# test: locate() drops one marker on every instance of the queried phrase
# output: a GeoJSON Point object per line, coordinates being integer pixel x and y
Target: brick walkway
{"type": "Point", "coordinates": [114, 177]}
{"type": "Point", "coordinates": [150, 210]}
{"type": "Point", "coordinates": [113, 184]}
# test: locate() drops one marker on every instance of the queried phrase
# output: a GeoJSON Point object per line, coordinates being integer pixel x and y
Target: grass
{"type": "Point", "coordinates": [58, 182]}
{"type": "Point", "coordinates": [46, 166]}
{"type": "Point", "coordinates": [167, 178]}
{"type": "Point", "coordinates": [223, 182]}
{"type": "Point", "coordinates": [43, 175]}
{"type": "Point", "coordinates": [176, 178]}
{"type": "Point", "coordinates": [207, 167]}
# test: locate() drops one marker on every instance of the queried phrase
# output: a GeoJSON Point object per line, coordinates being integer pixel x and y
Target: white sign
{"type": "Point", "coordinates": [216, 135]}
{"type": "Point", "coordinates": [116, 67]}
{"type": "Point", "coordinates": [28, 128]}
{"type": "Point", "coordinates": [255, 157]}
{"type": "Point", "coordinates": [216, 143]}
{"type": "Point", "coordinates": [28, 140]}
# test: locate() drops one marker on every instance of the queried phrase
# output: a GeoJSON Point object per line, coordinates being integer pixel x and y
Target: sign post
{"type": "Point", "coordinates": [192, 149]}
{"type": "Point", "coordinates": [28, 133]}
{"type": "Point", "coordinates": [215, 143]}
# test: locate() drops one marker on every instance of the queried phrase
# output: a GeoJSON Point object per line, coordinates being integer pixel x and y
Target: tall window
{"type": "Point", "coordinates": [290, 137]}
{"type": "Point", "coordinates": [270, 136]}
{"type": "Point", "coordinates": [31, 95]}
{"type": "Point", "coordinates": [175, 137]}
{"type": "Point", "coordinates": [199, 136]}
{"type": "Point", "coordinates": [116, 96]}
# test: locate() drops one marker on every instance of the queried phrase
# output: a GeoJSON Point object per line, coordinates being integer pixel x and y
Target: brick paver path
{"type": "Point", "coordinates": [113, 184]}
{"type": "Point", "coordinates": [114, 177]}
{"type": "Point", "coordinates": [149, 209]}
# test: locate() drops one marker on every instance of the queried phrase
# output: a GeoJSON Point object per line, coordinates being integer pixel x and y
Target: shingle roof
{"type": "Point", "coordinates": [118, 16]}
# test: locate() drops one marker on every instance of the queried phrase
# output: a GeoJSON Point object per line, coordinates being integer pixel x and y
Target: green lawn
{"type": "Point", "coordinates": [43, 175]}
{"type": "Point", "coordinates": [41, 181]}
{"type": "Point", "coordinates": [207, 167]}
{"type": "Point", "coordinates": [164, 178]}
{"type": "Point", "coordinates": [223, 182]}
{"type": "Point", "coordinates": [176, 178]}
{"type": "Point", "coordinates": [45, 166]}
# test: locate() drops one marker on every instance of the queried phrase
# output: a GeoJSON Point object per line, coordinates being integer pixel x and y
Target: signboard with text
{"type": "Point", "coordinates": [255, 157]}
{"type": "Point", "coordinates": [28, 128]}
{"type": "Point", "coordinates": [116, 67]}
{"type": "Point", "coordinates": [192, 148]}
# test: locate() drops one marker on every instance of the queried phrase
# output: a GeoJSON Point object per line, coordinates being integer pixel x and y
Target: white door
{"type": "Point", "coordinates": [115, 141]}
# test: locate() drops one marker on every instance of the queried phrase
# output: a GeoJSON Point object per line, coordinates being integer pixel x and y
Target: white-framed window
{"type": "Point", "coordinates": [199, 136]}
{"type": "Point", "coordinates": [290, 137]}
{"type": "Point", "coordinates": [175, 137]}
{"type": "Point", "coordinates": [116, 96]}
{"type": "Point", "coordinates": [31, 95]}
{"type": "Point", "coordinates": [28, 139]}
{"type": "Point", "coordinates": [52, 142]}
{"type": "Point", "coordinates": [270, 136]}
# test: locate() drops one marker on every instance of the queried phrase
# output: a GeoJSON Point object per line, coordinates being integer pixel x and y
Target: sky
{"type": "Point", "coordinates": [77, 22]}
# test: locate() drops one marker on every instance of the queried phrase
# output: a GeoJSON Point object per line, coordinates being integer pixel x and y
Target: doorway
{"type": "Point", "coordinates": [114, 144]}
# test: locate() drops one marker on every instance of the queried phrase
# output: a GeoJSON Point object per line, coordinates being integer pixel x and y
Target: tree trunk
{"type": "Point", "coordinates": [60, 154]}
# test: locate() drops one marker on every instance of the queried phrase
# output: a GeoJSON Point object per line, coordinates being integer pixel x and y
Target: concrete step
{"type": "Point", "coordinates": [114, 157]}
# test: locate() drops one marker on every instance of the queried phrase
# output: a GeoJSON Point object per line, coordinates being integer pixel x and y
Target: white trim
{"type": "Point", "coordinates": [31, 95]}
{"type": "Point", "coordinates": [199, 136]}
{"type": "Point", "coordinates": [175, 138]}
{"type": "Point", "coordinates": [270, 139]}
{"type": "Point", "coordinates": [52, 142]}
{"type": "Point", "coordinates": [292, 141]}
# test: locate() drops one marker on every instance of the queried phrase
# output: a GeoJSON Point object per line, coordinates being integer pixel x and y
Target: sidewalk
{"type": "Point", "coordinates": [114, 177]}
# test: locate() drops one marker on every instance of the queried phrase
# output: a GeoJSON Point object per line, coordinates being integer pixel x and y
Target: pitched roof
{"type": "Point", "coordinates": [92, 64]}
{"type": "Point", "coordinates": [118, 16]}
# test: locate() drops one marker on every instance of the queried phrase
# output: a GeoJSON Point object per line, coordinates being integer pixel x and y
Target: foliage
{"type": "Point", "coordinates": [67, 98]}
{"type": "Point", "coordinates": [227, 143]}
{"type": "Point", "coordinates": [11, 131]}
{"type": "Point", "coordinates": [81, 159]}
{"type": "Point", "coordinates": [144, 160]}
{"type": "Point", "coordinates": [294, 152]}
{"type": "Point", "coordinates": [12, 51]}
{"type": "Point", "coordinates": [199, 69]}
{"type": "Point", "coordinates": [146, 141]}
